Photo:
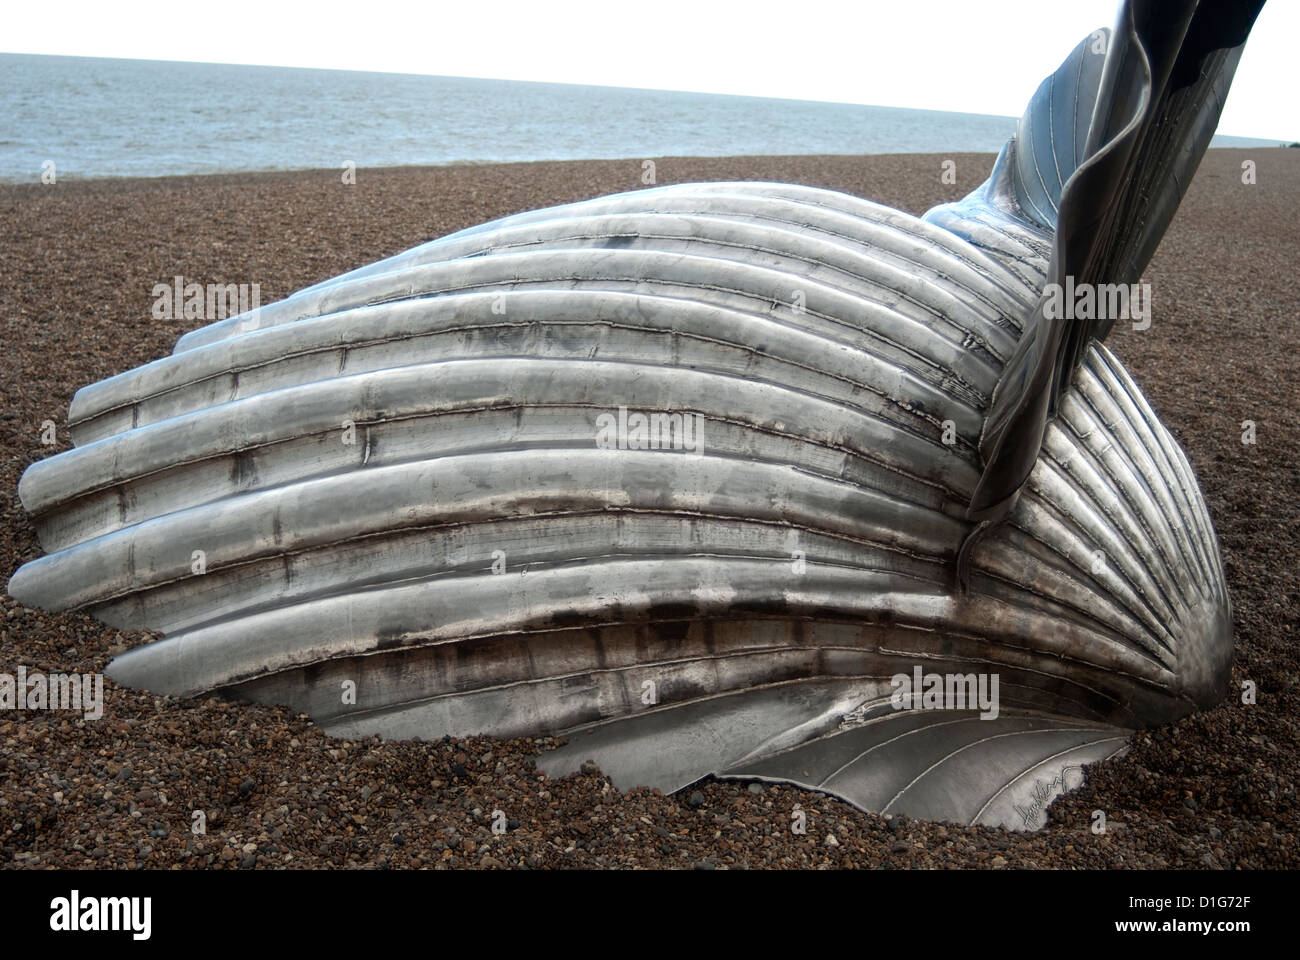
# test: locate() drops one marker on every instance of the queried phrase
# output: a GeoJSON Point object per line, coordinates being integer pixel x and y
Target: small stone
{"type": "Point", "coordinates": [247, 787]}
{"type": "Point", "coordinates": [589, 768]}
{"type": "Point", "coordinates": [998, 862]}
{"type": "Point", "coordinates": [704, 865]}
{"type": "Point", "coordinates": [756, 788]}
{"type": "Point", "coordinates": [696, 799]}
{"type": "Point", "coordinates": [831, 840]}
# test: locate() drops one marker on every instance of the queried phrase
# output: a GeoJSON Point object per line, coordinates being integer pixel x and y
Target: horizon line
{"type": "Point", "coordinates": [563, 83]}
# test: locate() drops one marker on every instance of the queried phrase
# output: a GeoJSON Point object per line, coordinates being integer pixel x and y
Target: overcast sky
{"type": "Point", "coordinates": [972, 56]}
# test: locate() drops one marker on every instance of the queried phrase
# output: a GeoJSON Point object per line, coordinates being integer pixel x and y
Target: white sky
{"type": "Point", "coordinates": [972, 56]}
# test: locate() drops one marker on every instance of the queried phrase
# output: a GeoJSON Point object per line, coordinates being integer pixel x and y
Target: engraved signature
{"type": "Point", "coordinates": [1045, 791]}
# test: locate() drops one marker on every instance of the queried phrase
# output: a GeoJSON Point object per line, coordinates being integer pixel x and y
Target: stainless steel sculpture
{"type": "Point", "coordinates": [692, 473]}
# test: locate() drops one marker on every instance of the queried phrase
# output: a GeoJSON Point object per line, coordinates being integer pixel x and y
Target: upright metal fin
{"type": "Point", "coordinates": [1148, 95]}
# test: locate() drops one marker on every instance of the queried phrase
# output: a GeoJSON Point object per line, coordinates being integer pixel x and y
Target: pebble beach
{"type": "Point", "coordinates": [79, 262]}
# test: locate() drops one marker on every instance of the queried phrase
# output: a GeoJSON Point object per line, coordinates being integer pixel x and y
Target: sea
{"type": "Point", "coordinates": [84, 117]}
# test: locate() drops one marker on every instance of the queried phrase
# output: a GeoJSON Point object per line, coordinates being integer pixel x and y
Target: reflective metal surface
{"type": "Point", "coordinates": [425, 481]}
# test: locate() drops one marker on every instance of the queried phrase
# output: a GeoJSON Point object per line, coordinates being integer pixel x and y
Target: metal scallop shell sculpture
{"type": "Point", "coordinates": [697, 475]}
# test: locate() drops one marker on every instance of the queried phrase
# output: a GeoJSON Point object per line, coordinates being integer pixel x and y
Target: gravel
{"type": "Point", "coordinates": [269, 789]}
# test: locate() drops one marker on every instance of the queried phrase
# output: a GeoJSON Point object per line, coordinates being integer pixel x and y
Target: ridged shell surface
{"type": "Point", "coordinates": [425, 477]}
